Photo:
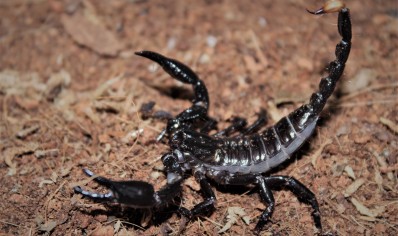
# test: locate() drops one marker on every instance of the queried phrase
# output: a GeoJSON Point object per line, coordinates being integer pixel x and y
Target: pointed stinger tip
{"type": "Point", "coordinates": [317, 12]}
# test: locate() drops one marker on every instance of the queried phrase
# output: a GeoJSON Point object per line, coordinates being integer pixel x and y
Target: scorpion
{"type": "Point", "coordinates": [241, 159]}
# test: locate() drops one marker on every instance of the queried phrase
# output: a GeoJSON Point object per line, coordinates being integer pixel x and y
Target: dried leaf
{"type": "Point", "coordinates": [233, 214]}
{"type": "Point", "coordinates": [91, 35]}
{"type": "Point", "coordinates": [192, 184]}
{"type": "Point", "coordinates": [18, 151]}
{"type": "Point", "coordinates": [56, 83]}
{"type": "Point", "coordinates": [319, 151]}
{"type": "Point", "coordinates": [48, 226]}
{"type": "Point", "coordinates": [359, 81]}
{"type": "Point", "coordinates": [117, 225]}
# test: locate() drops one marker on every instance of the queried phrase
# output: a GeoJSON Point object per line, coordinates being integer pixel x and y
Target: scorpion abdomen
{"type": "Point", "coordinates": [258, 153]}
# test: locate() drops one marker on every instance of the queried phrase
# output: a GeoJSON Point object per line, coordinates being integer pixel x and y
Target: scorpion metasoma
{"type": "Point", "coordinates": [228, 159]}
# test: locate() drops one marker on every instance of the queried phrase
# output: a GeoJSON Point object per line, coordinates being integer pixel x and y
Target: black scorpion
{"type": "Point", "coordinates": [231, 160]}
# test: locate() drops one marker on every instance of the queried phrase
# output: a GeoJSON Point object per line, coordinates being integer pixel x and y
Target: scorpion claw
{"type": "Point", "coordinates": [329, 7]}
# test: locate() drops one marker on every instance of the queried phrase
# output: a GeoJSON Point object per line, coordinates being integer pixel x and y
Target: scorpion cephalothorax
{"type": "Point", "coordinates": [229, 159]}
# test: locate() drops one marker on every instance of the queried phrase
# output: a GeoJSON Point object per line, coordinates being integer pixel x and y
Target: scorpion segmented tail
{"type": "Point", "coordinates": [308, 113]}
{"type": "Point", "coordinates": [259, 153]}
{"type": "Point", "coordinates": [293, 130]}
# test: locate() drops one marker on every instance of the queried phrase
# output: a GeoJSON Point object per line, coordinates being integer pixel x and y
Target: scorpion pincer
{"type": "Point", "coordinates": [240, 159]}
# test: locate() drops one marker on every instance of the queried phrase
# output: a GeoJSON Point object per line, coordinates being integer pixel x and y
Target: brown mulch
{"type": "Point", "coordinates": [71, 90]}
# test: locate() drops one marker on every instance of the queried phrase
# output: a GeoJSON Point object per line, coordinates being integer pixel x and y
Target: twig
{"type": "Point", "coordinates": [356, 104]}
{"type": "Point", "coordinates": [51, 197]}
{"type": "Point", "coordinates": [212, 221]}
{"type": "Point", "coordinates": [368, 89]}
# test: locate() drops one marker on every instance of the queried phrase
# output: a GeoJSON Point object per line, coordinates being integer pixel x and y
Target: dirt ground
{"type": "Point", "coordinates": [71, 90]}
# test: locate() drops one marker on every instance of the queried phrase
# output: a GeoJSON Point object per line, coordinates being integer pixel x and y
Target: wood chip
{"type": "Point", "coordinates": [378, 179]}
{"type": "Point", "coordinates": [108, 106]}
{"type": "Point", "coordinates": [366, 211]}
{"type": "Point", "coordinates": [91, 115]}
{"type": "Point", "coordinates": [27, 131]}
{"type": "Point", "coordinates": [47, 153]}
{"type": "Point", "coordinates": [274, 112]}
{"type": "Point", "coordinates": [390, 124]}
{"type": "Point", "coordinates": [352, 188]}
{"type": "Point", "coordinates": [383, 164]}
{"type": "Point", "coordinates": [350, 172]}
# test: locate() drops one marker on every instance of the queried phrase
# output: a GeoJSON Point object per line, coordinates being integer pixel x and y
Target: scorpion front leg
{"type": "Point", "coordinates": [205, 207]}
{"type": "Point", "coordinates": [138, 194]}
{"type": "Point", "coordinates": [199, 109]}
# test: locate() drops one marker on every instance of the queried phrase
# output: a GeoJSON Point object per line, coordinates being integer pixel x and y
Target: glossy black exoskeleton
{"type": "Point", "coordinates": [231, 159]}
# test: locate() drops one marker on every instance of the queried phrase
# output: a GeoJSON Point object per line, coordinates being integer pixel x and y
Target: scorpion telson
{"type": "Point", "coordinates": [228, 159]}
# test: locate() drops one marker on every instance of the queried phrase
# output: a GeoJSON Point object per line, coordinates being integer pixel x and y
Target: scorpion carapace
{"type": "Point", "coordinates": [229, 159]}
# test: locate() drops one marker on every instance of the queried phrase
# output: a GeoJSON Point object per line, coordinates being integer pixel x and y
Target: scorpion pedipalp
{"type": "Point", "coordinates": [198, 111]}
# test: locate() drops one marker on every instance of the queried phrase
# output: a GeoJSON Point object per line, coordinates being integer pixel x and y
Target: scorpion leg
{"type": "Point", "coordinates": [303, 194]}
{"type": "Point", "coordinates": [138, 194]}
{"type": "Point", "coordinates": [258, 124]}
{"type": "Point", "coordinates": [267, 196]}
{"type": "Point", "coordinates": [205, 207]}
{"type": "Point", "coordinates": [239, 125]}
{"type": "Point", "coordinates": [181, 72]}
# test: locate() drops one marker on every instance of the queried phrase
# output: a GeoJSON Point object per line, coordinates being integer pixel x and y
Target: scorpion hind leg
{"type": "Point", "coordinates": [302, 193]}
{"type": "Point", "coordinates": [267, 196]}
{"type": "Point", "coordinates": [205, 207]}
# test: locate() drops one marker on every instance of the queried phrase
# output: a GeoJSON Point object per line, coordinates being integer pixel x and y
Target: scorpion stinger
{"type": "Point", "coordinates": [242, 159]}
{"type": "Point", "coordinates": [200, 107]}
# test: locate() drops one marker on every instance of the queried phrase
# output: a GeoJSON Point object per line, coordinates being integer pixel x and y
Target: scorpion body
{"type": "Point", "coordinates": [231, 160]}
